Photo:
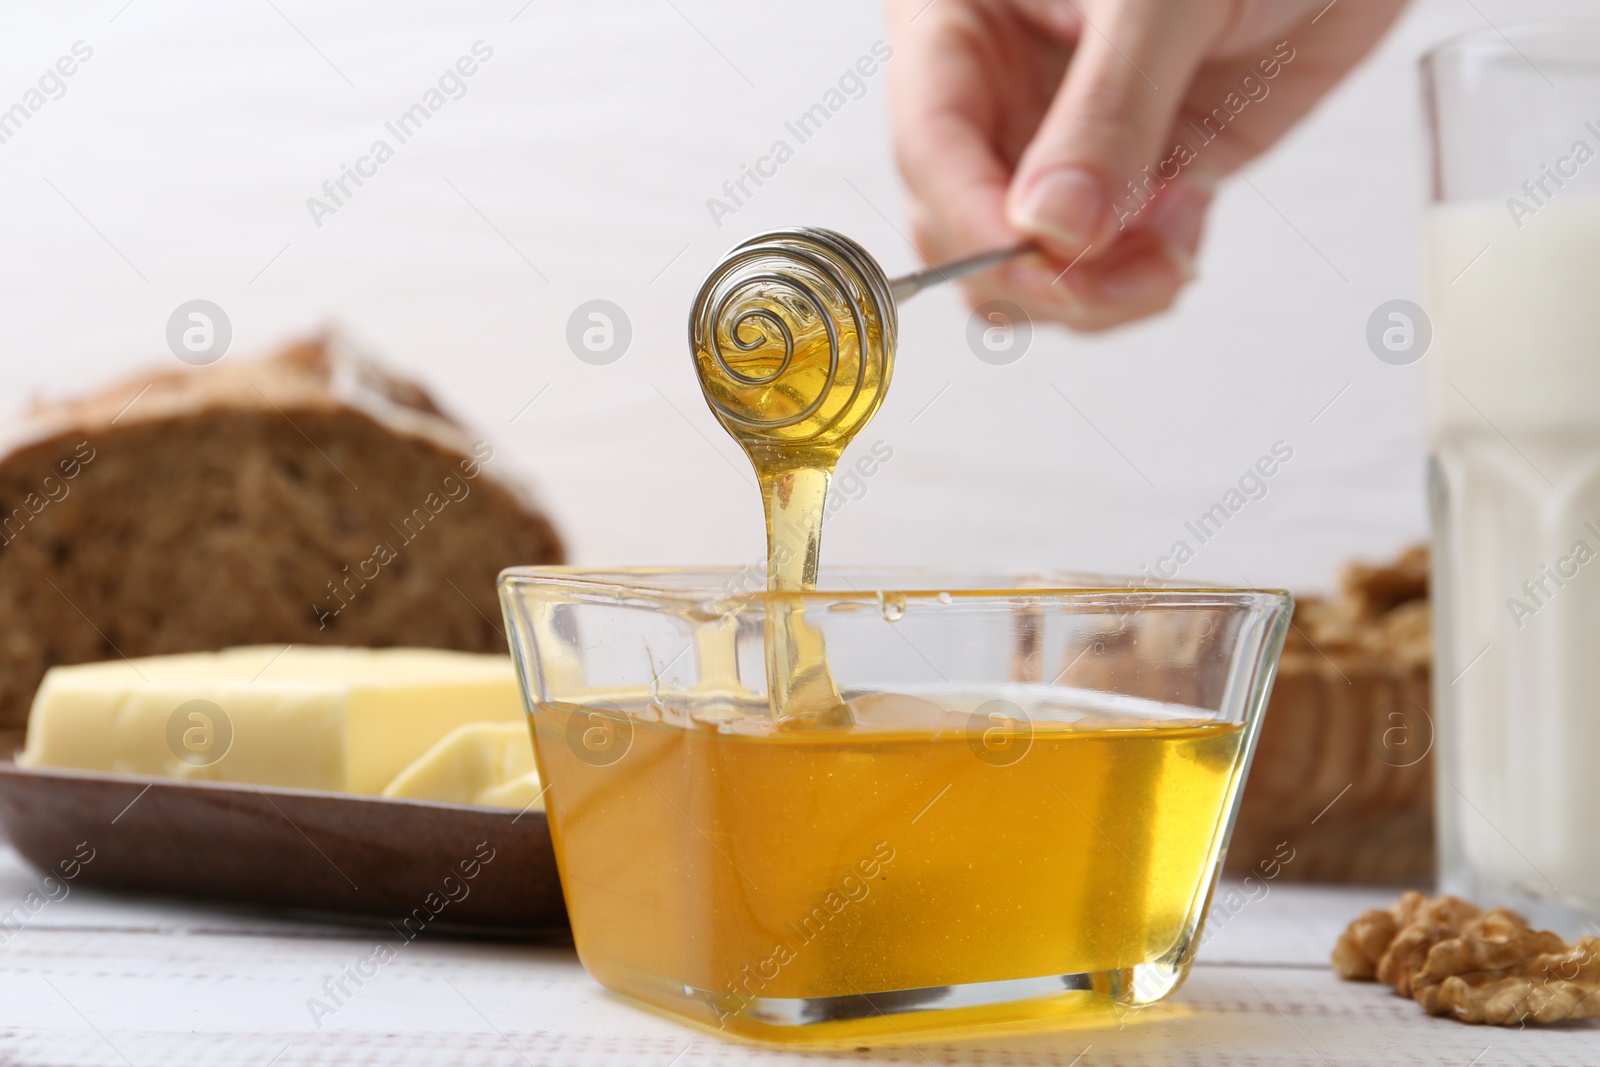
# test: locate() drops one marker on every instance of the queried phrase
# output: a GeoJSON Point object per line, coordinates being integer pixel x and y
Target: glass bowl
{"type": "Point", "coordinates": [1020, 823]}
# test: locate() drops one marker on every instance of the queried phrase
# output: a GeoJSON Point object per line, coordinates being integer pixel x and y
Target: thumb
{"type": "Point", "coordinates": [1121, 94]}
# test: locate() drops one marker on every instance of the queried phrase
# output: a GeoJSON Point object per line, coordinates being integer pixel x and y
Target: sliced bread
{"type": "Point", "coordinates": [310, 497]}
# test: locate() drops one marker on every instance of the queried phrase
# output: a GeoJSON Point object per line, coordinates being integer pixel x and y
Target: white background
{"type": "Point", "coordinates": [578, 165]}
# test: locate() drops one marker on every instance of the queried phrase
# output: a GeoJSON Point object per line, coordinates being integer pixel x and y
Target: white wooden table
{"type": "Point", "coordinates": [96, 978]}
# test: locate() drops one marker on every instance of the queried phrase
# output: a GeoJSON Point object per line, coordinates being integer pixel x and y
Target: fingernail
{"type": "Point", "coordinates": [1183, 261]}
{"type": "Point", "coordinates": [1066, 206]}
{"type": "Point", "coordinates": [1179, 216]}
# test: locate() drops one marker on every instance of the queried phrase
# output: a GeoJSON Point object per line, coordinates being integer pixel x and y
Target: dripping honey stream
{"type": "Point", "coordinates": [793, 337]}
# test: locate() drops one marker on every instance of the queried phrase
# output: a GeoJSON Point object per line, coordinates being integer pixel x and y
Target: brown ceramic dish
{"type": "Point", "coordinates": [412, 864]}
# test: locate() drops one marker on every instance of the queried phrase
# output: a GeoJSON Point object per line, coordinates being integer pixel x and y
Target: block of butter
{"type": "Point", "coordinates": [487, 764]}
{"type": "Point", "coordinates": [337, 719]}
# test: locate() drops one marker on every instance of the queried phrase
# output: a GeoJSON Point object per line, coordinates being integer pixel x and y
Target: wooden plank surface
{"type": "Point", "coordinates": [98, 979]}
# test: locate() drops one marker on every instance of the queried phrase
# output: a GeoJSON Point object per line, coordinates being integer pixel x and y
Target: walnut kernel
{"type": "Point", "coordinates": [1478, 967]}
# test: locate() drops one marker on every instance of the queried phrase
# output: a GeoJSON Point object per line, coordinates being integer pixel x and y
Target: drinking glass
{"type": "Point", "coordinates": [1513, 410]}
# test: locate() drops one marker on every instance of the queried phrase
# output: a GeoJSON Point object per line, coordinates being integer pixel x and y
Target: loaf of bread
{"type": "Point", "coordinates": [308, 498]}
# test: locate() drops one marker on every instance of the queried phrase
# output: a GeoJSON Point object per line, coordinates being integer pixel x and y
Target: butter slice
{"type": "Point", "coordinates": [489, 764]}
{"type": "Point", "coordinates": [335, 719]}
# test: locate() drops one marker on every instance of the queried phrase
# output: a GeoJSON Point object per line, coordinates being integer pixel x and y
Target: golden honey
{"type": "Point", "coordinates": [755, 865]}
{"type": "Point", "coordinates": [793, 337]}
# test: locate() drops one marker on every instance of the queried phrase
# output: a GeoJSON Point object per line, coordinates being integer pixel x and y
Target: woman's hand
{"type": "Point", "coordinates": [1032, 117]}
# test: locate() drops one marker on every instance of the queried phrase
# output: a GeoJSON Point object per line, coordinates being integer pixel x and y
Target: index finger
{"type": "Point", "coordinates": [946, 118]}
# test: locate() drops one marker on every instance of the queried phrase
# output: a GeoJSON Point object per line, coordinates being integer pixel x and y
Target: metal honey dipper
{"type": "Point", "coordinates": [793, 335]}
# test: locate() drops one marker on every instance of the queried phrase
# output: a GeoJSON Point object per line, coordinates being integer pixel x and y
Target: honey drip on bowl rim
{"type": "Point", "coordinates": [793, 335]}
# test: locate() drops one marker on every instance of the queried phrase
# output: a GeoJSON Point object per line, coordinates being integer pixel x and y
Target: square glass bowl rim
{"type": "Point", "coordinates": [686, 586]}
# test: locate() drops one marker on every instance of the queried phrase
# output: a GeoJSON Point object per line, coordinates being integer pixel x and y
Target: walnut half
{"type": "Point", "coordinates": [1479, 967]}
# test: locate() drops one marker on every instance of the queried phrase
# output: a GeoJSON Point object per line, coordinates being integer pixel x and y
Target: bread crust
{"type": "Point", "coordinates": [311, 497]}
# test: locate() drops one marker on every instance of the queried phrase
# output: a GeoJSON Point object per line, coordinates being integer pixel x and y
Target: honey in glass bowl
{"type": "Point", "coordinates": [1019, 821]}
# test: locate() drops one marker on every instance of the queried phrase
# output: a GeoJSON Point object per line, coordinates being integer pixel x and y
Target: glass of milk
{"type": "Point", "coordinates": [1513, 407]}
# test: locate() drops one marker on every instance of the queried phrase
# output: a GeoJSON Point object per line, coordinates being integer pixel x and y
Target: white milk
{"type": "Point", "coordinates": [1513, 385]}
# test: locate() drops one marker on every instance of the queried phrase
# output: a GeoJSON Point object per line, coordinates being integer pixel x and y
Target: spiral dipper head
{"type": "Point", "coordinates": [793, 335]}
